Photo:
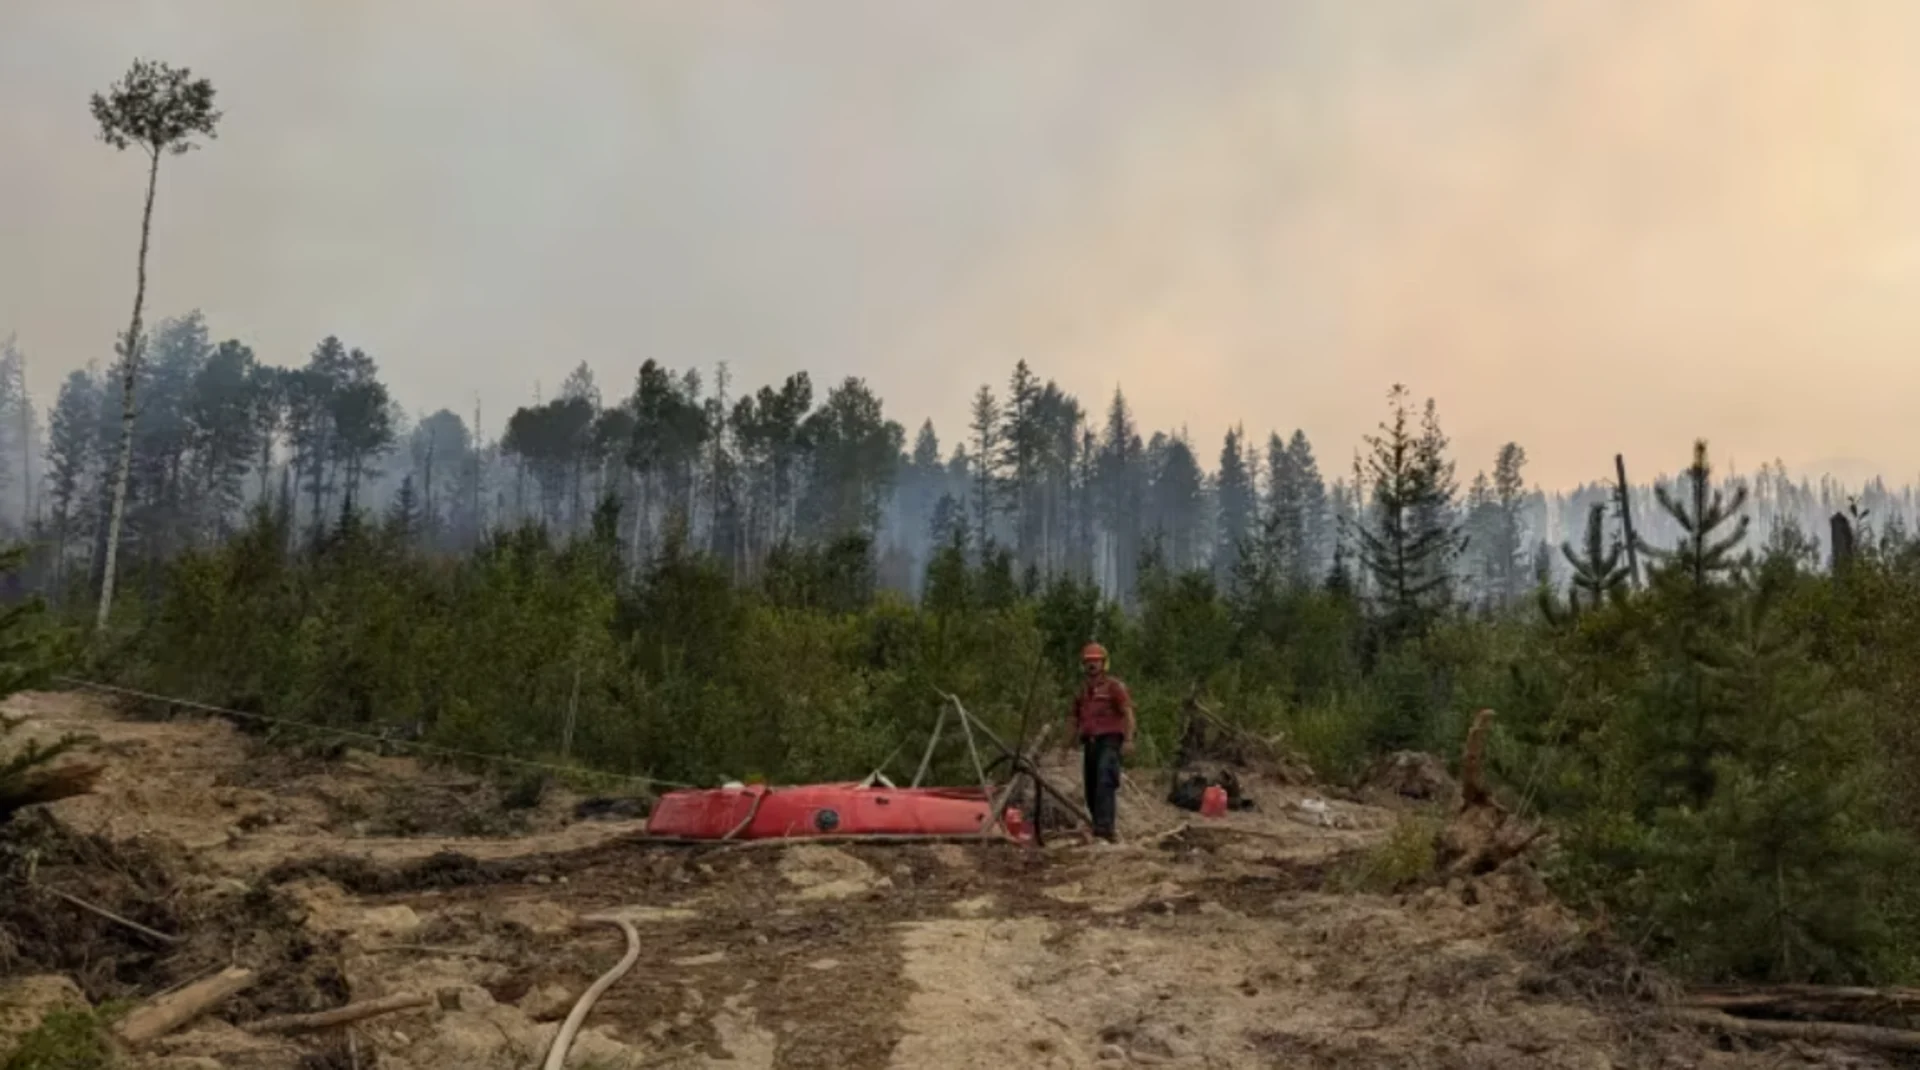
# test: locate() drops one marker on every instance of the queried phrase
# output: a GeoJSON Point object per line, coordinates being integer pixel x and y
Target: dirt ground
{"type": "Point", "coordinates": [1220, 945]}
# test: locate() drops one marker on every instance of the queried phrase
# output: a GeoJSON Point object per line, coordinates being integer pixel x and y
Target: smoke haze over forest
{"type": "Point", "coordinates": [707, 391]}
{"type": "Point", "coordinates": [1582, 226]}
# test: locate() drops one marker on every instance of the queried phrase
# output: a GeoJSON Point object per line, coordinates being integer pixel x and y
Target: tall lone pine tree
{"type": "Point", "coordinates": [1408, 545]}
{"type": "Point", "coordinates": [161, 109]}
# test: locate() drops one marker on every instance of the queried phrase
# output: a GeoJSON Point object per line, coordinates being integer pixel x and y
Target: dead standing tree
{"type": "Point", "coordinates": [1623, 494]}
{"type": "Point", "coordinates": [1482, 835]}
{"type": "Point", "coordinates": [161, 109]}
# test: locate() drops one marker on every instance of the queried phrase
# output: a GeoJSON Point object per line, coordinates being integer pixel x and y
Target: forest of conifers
{"type": "Point", "coordinates": [690, 580]}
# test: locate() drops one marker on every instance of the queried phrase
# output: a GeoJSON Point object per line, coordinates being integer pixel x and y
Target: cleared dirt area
{"type": "Point", "coordinates": [1222, 945]}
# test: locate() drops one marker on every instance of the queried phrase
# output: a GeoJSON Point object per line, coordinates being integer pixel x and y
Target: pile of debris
{"type": "Point", "coordinates": [1411, 775]}
{"type": "Point", "coordinates": [1212, 754]}
{"type": "Point", "coordinates": [1206, 737]}
{"type": "Point", "coordinates": [131, 920]}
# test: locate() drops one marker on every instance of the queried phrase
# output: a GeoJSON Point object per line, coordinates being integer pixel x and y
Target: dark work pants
{"type": "Point", "coordinates": [1100, 765]}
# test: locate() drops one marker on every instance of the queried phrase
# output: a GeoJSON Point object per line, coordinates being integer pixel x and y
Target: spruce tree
{"type": "Point", "coordinates": [1310, 506]}
{"type": "Point", "coordinates": [1295, 527]}
{"type": "Point", "coordinates": [69, 437]}
{"type": "Point", "coordinates": [855, 462]}
{"type": "Point", "coordinates": [403, 515]}
{"type": "Point", "coordinates": [1121, 493]}
{"type": "Point", "coordinates": [1058, 418]}
{"type": "Point", "coordinates": [986, 463]}
{"type": "Point", "coordinates": [1778, 870]}
{"type": "Point", "coordinates": [1496, 528]}
{"type": "Point", "coordinates": [1483, 578]}
{"type": "Point", "coordinates": [1234, 497]}
{"type": "Point", "coordinates": [1696, 587]}
{"type": "Point", "coordinates": [1282, 528]}
{"type": "Point", "coordinates": [1409, 537]}
{"type": "Point", "coordinates": [1435, 514]}
{"type": "Point", "coordinates": [1086, 502]}
{"type": "Point", "coordinates": [1704, 554]}
{"type": "Point", "coordinates": [1023, 447]}
{"type": "Point", "coordinates": [1599, 568]}
{"type": "Point", "coordinates": [1509, 550]}
{"type": "Point", "coordinates": [1174, 497]}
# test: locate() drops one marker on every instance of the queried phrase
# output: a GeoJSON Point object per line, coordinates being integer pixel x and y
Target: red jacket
{"type": "Point", "coordinates": [1101, 708]}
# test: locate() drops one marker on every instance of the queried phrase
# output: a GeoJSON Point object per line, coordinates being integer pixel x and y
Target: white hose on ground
{"type": "Point", "coordinates": [563, 1040]}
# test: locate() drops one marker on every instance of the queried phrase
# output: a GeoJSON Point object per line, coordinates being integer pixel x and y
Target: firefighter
{"type": "Point", "coordinates": [1104, 723]}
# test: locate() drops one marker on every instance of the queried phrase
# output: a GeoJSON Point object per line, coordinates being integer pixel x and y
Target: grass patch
{"type": "Point", "coordinates": [65, 1040]}
{"type": "Point", "coordinates": [1405, 858]}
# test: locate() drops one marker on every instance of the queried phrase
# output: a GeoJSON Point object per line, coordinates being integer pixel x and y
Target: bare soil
{"type": "Point", "coordinates": [1223, 944]}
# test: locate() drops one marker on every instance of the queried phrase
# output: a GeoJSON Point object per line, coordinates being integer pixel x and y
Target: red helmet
{"type": "Point", "coordinates": [1093, 652]}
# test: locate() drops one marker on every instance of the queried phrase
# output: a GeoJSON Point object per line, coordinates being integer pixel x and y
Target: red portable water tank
{"type": "Point", "coordinates": [1213, 801]}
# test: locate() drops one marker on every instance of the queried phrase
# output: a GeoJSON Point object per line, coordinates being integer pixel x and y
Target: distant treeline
{"type": "Point", "coordinates": [737, 473]}
{"type": "Point", "coordinates": [696, 585]}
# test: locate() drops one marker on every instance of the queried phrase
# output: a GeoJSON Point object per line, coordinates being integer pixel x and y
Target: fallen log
{"type": "Point", "coordinates": [435, 949]}
{"type": "Point", "coordinates": [352, 1012]}
{"type": "Point", "coordinates": [1807, 1001]}
{"type": "Point", "coordinates": [46, 785]}
{"type": "Point", "coordinates": [165, 1013]}
{"type": "Point", "coordinates": [1867, 1036]}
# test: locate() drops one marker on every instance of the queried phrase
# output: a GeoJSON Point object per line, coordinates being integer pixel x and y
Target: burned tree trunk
{"type": "Point", "coordinates": [1482, 836]}
{"type": "Point", "coordinates": [1843, 544]}
{"type": "Point", "coordinates": [1620, 491]}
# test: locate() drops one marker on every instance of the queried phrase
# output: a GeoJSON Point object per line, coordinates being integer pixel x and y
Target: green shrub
{"type": "Point", "coordinates": [1729, 756]}
{"type": "Point", "coordinates": [65, 1040]}
{"type": "Point", "coordinates": [1403, 859]}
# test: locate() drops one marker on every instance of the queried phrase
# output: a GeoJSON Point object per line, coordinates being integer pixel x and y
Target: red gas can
{"type": "Point", "coordinates": [1213, 801]}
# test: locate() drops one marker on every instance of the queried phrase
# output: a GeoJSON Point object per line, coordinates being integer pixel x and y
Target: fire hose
{"type": "Point", "coordinates": [562, 1041]}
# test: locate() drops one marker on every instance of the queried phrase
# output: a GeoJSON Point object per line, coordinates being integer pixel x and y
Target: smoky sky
{"type": "Point", "coordinates": [1587, 225]}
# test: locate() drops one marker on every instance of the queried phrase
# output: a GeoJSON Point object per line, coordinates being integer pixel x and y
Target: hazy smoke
{"type": "Point", "coordinates": [1588, 226]}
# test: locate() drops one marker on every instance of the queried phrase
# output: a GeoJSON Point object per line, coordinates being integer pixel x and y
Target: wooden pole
{"type": "Point", "coordinates": [966, 728]}
{"type": "Point", "coordinates": [1079, 812]}
{"type": "Point", "coordinates": [573, 711]}
{"type": "Point", "coordinates": [926, 760]}
{"type": "Point", "coordinates": [1021, 768]}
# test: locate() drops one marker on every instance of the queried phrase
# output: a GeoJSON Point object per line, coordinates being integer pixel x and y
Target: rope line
{"type": "Point", "coordinates": [386, 741]}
